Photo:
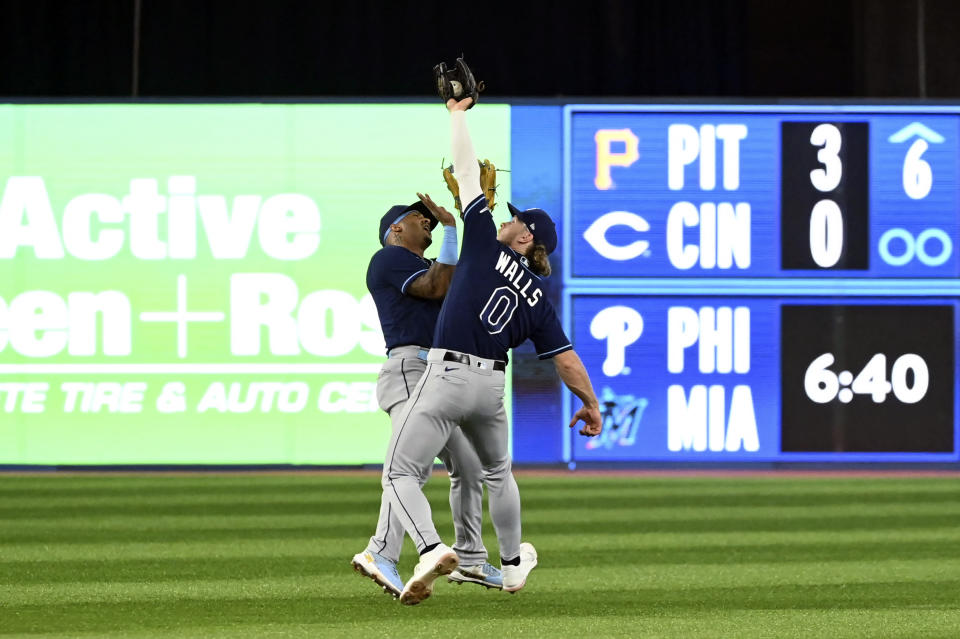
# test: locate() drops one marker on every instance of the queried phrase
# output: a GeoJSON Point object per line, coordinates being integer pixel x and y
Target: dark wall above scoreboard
{"type": "Point", "coordinates": [611, 48]}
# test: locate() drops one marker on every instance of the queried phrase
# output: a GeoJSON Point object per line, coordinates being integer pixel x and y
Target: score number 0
{"type": "Point", "coordinates": [826, 218]}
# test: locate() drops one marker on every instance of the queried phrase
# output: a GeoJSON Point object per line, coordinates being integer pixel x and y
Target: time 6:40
{"type": "Point", "coordinates": [909, 380]}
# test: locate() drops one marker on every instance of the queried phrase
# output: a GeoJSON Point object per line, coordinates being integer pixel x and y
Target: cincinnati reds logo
{"type": "Point", "coordinates": [596, 235]}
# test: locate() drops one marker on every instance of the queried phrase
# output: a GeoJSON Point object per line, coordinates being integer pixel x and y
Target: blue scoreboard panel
{"type": "Point", "coordinates": [764, 283]}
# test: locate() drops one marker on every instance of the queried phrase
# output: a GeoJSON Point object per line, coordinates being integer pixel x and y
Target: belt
{"type": "Point", "coordinates": [421, 354]}
{"type": "Point", "coordinates": [498, 365]}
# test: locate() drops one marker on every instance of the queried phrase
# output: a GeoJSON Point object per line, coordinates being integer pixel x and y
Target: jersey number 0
{"type": "Point", "coordinates": [499, 309]}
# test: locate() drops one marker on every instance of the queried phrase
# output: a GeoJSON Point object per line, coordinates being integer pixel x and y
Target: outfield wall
{"type": "Point", "coordinates": [184, 283]}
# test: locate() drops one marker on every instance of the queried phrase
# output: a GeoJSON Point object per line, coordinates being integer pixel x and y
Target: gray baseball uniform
{"type": "Point", "coordinates": [397, 379]}
{"type": "Point", "coordinates": [452, 397]}
{"type": "Point", "coordinates": [494, 302]}
{"type": "Point", "coordinates": [408, 326]}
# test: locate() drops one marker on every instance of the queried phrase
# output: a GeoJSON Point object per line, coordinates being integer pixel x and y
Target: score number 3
{"type": "Point", "coordinates": [826, 218]}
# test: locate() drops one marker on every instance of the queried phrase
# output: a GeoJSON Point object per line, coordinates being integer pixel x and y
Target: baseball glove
{"type": "Point", "coordinates": [488, 183]}
{"type": "Point", "coordinates": [457, 83]}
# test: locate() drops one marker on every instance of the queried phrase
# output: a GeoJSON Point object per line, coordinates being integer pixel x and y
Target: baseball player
{"type": "Point", "coordinates": [408, 290]}
{"type": "Point", "coordinates": [495, 302]}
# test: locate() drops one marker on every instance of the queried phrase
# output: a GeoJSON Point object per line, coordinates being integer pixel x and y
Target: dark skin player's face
{"type": "Point", "coordinates": [415, 230]}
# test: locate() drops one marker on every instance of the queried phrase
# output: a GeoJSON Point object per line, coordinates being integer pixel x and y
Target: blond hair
{"type": "Point", "coordinates": [539, 261]}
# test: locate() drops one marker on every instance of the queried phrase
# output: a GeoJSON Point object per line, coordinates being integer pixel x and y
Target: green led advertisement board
{"type": "Point", "coordinates": [184, 284]}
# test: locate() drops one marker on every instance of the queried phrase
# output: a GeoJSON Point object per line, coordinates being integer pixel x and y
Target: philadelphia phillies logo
{"type": "Point", "coordinates": [620, 326]}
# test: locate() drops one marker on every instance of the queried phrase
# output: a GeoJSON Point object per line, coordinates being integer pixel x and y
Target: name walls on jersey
{"type": "Point", "coordinates": [521, 280]}
{"type": "Point", "coordinates": [700, 417]}
{"type": "Point", "coordinates": [155, 227]}
{"type": "Point", "coordinates": [711, 234]}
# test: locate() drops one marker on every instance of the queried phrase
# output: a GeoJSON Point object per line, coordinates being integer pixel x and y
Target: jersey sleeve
{"type": "Point", "coordinates": [394, 268]}
{"type": "Point", "coordinates": [478, 227]}
{"type": "Point", "coordinates": [465, 167]}
{"type": "Point", "coordinates": [548, 337]}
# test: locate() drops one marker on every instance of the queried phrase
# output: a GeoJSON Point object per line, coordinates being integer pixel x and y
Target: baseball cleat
{"type": "Point", "coordinates": [483, 574]}
{"type": "Point", "coordinates": [439, 561]}
{"type": "Point", "coordinates": [515, 577]}
{"type": "Point", "coordinates": [381, 570]}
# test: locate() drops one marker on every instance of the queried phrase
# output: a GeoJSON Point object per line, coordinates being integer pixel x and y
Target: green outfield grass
{"type": "Point", "coordinates": [269, 556]}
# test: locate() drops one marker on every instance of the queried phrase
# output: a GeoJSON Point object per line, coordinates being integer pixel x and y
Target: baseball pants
{"type": "Point", "coordinates": [396, 380]}
{"type": "Point", "coordinates": [448, 395]}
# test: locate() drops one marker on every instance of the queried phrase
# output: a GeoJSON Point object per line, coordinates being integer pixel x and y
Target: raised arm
{"type": "Point", "coordinates": [465, 166]}
{"type": "Point", "coordinates": [575, 376]}
{"type": "Point", "coordinates": [433, 284]}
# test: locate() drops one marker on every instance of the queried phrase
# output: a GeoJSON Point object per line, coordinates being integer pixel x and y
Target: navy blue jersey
{"type": "Point", "coordinates": [404, 319]}
{"type": "Point", "coordinates": [495, 301]}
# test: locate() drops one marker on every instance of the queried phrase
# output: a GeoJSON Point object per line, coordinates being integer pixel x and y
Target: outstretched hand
{"type": "Point", "coordinates": [443, 215]}
{"type": "Point", "coordinates": [462, 105]}
{"type": "Point", "coordinates": [592, 422]}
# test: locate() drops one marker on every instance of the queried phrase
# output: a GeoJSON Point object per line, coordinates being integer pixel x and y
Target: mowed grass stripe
{"type": "Point", "coordinates": [617, 537]}
{"type": "Point", "coordinates": [192, 527]}
{"type": "Point", "coordinates": [841, 624]}
{"type": "Point", "coordinates": [252, 567]}
{"type": "Point", "coordinates": [632, 557]}
{"type": "Point", "coordinates": [548, 578]}
{"type": "Point", "coordinates": [624, 510]}
{"type": "Point", "coordinates": [539, 495]}
{"type": "Point", "coordinates": [572, 482]}
{"type": "Point", "coordinates": [532, 527]}
{"type": "Point", "coordinates": [548, 606]}
{"type": "Point", "coordinates": [338, 487]}
{"type": "Point", "coordinates": [13, 509]}
{"type": "Point", "coordinates": [252, 560]}
{"type": "Point", "coordinates": [45, 485]}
